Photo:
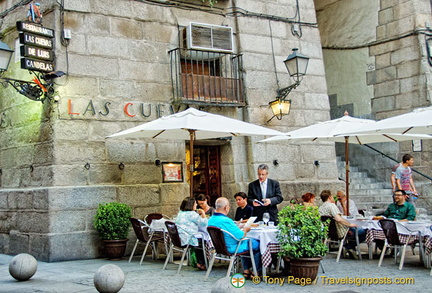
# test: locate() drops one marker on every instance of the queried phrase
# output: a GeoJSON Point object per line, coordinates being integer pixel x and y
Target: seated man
{"type": "Point", "coordinates": [342, 204]}
{"type": "Point", "coordinates": [401, 209]}
{"type": "Point", "coordinates": [244, 211]}
{"type": "Point", "coordinates": [221, 220]}
{"type": "Point", "coordinates": [328, 208]}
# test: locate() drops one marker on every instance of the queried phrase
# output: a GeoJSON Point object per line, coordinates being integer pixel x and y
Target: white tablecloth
{"type": "Point", "coordinates": [406, 228]}
{"type": "Point", "coordinates": [158, 225]}
{"type": "Point", "coordinates": [268, 244]}
{"type": "Point", "coordinates": [264, 235]}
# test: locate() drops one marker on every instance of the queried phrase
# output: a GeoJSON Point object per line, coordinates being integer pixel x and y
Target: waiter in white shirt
{"type": "Point", "coordinates": [264, 195]}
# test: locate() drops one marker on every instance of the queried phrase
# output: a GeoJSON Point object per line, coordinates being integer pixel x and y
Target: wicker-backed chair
{"type": "Point", "coordinates": [149, 218]}
{"type": "Point", "coordinates": [154, 216]}
{"type": "Point", "coordinates": [175, 244]}
{"type": "Point", "coordinates": [393, 241]}
{"type": "Point", "coordinates": [142, 234]}
{"type": "Point", "coordinates": [221, 251]}
{"type": "Point", "coordinates": [333, 237]}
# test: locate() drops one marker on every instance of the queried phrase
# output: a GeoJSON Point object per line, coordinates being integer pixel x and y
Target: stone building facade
{"type": "Point", "coordinates": [57, 164]}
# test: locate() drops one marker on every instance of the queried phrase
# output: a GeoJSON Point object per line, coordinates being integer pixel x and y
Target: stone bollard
{"type": "Point", "coordinates": [224, 286]}
{"type": "Point", "coordinates": [109, 279]}
{"type": "Point", "coordinates": [23, 266]}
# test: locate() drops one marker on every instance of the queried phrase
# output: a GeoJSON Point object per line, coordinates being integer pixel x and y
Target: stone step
{"type": "Point", "coordinates": [358, 175]}
{"type": "Point", "coordinates": [341, 166]}
{"type": "Point", "coordinates": [353, 169]}
{"type": "Point", "coordinates": [362, 185]}
{"type": "Point", "coordinates": [371, 198]}
{"type": "Point", "coordinates": [364, 190]}
{"type": "Point", "coordinates": [359, 180]}
{"type": "Point", "coordinates": [370, 192]}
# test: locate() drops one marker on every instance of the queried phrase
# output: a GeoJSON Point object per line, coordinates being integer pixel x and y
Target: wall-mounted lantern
{"type": "Point", "coordinates": [296, 64]}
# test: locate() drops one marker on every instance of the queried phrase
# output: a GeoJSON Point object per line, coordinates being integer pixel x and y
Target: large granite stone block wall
{"type": "Point", "coordinates": [57, 164]}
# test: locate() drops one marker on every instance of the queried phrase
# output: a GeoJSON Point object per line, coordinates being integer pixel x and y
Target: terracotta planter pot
{"type": "Point", "coordinates": [305, 267]}
{"type": "Point", "coordinates": [115, 249]}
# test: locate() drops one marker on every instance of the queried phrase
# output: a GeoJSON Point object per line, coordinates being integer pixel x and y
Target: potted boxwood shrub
{"type": "Point", "coordinates": [112, 222]}
{"type": "Point", "coordinates": [301, 235]}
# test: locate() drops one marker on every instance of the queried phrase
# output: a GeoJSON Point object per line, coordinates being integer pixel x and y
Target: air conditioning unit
{"type": "Point", "coordinates": [209, 37]}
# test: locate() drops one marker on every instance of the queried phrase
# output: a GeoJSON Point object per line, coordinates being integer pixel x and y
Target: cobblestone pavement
{"type": "Point", "coordinates": [77, 276]}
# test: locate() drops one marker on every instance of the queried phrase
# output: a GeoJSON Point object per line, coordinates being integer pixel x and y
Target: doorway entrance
{"type": "Point", "coordinates": [206, 176]}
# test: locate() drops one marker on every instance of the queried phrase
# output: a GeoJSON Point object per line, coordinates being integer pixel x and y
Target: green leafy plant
{"type": "Point", "coordinates": [301, 232]}
{"type": "Point", "coordinates": [211, 2]}
{"type": "Point", "coordinates": [112, 220]}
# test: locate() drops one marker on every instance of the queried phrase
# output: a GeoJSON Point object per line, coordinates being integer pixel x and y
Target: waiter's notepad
{"type": "Point", "coordinates": [250, 221]}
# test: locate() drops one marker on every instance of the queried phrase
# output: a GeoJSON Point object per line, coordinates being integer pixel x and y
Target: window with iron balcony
{"type": "Point", "coordinates": [204, 69]}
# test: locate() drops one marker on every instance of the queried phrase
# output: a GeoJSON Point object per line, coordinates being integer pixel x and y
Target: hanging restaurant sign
{"type": "Point", "coordinates": [35, 52]}
{"type": "Point", "coordinates": [36, 29]}
{"type": "Point", "coordinates": [37, 43]}
{"type": "Point", "coordinates": [31, 39]}
{"type": "Point", "coordinates": [37, 65]}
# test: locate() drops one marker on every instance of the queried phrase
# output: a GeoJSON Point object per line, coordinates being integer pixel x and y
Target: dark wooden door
{"type": "Point", "coordinates": [207, 179]}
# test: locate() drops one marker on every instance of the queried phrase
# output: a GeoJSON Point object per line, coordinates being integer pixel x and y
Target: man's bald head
{"type": "Point", "coordinates": [222, 205]}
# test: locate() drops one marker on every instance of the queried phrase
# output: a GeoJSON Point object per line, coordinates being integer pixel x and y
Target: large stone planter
{"type": "Point", "coordinates": [305, 267]}
{"type": "Point", "coordinates": [115, 249]}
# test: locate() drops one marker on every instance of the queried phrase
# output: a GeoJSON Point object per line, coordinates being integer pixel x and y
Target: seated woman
{"type": "Point", "coordinates": [189, 221]}
{"type": "Point", "coordinates": [309, 199]}
{"type": "Point", "coordinates": [243, 211]}
{"type": "Point", "coordinates": [202, 201]}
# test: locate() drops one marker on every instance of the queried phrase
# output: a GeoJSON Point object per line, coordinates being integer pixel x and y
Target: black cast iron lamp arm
{"type": "Point", "coordinates": [283, 93]}
{"type": "Point", "coordinates": [39, 89]}
{"type": "Point", "coordinates": [31, 90]}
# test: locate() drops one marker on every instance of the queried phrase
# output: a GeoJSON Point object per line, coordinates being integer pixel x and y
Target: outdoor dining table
{"type": "Point", "coordinates": [268, 243]}
{"type": "Point", "coordinates": [417, 230]}
{"type": "Point", "coordinates": [159, 226]}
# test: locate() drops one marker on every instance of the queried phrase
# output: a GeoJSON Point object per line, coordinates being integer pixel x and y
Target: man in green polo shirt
{"type": "Point", "coordinates": [401, 209]}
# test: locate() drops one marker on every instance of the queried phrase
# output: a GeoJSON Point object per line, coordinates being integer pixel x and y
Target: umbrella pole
{"type": "Point", "coordinates": [191, 159]}
{"type": "Point", "coordinates": [347, 170]}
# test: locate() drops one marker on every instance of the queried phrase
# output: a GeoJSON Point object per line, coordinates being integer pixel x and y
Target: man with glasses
{"type": "Point", "coordinates": [401, 209]}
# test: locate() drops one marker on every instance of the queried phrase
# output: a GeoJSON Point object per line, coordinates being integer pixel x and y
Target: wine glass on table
{"type": "Point", "coordinates": [266, 218]}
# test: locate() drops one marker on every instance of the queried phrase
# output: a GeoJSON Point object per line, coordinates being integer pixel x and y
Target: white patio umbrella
{"type": "Point", "coordinates": [330, 130]}
{"type": "Point", "coordinates": [191, 125]}
{"type": "Point", "coordinates": [418, 121]}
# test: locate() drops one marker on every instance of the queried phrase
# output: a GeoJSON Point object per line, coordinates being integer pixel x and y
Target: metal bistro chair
{"type": "Point", "coordinates": [175, 244]}
{"type": "Point", "coordinates": [141, 232]}
{"type": "Point", "coordinates": [149, 218]}
{"type": "Point", "coordinates": [333, 237]}
{"type": "Point", "coordinates": [154, 216]}
{"type": "Point", "coordinates": [393, 241]}
{"type": "Point", "coordinates": [221, 252]}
